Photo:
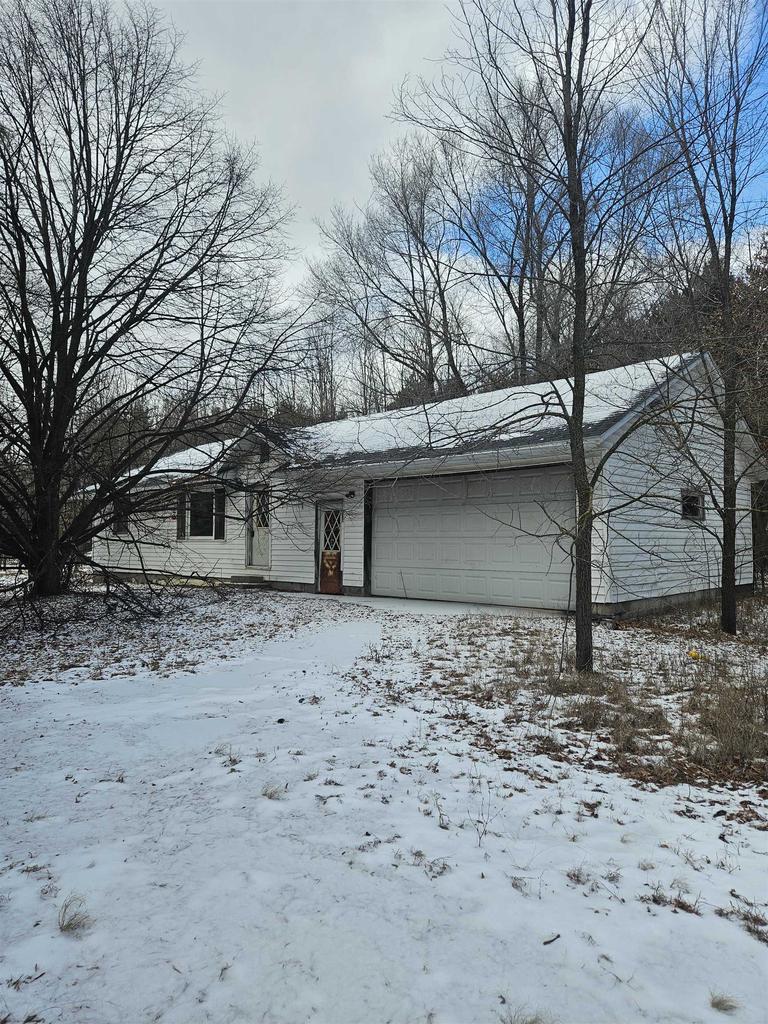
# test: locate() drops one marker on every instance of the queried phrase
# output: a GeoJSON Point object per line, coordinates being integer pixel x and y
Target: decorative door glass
{"type": "Point", "coordinates": [332, 530]}
{"type": "Point", "coordinates": [330, 551]}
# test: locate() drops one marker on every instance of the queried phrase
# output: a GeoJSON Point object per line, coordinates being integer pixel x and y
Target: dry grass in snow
{"type": "Point", "coordinates": [658, 707]}
{"type": "Point", "coordinates": [285, 808]}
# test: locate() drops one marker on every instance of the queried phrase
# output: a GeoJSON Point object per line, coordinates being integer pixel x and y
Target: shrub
{"type": "Point", "coordinates": [722, 1003]}
{"type": "Point", "coordinates": [730, 704]}
{"type": "Point", "coordinates": [73, 917]}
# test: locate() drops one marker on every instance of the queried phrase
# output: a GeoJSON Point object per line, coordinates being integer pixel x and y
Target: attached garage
{"type": "Point", "coordinates": [494, 537]}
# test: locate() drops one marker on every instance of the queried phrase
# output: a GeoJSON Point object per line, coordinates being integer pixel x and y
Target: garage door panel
{"type": "Point", "coordinates": [483, 537]}
{"type": "Point", "coordinates": [427, 553]}
{"type": "Point", "coordinates": [449, 554]}
{"type": "Point", "coordinates": [475, 553]}
{"type": "Point", "coordinates": [476, 586]}
{"type": "Point", "coordinates": [479, 524]}
{"type": "Point", "coordinates": [478, 487]}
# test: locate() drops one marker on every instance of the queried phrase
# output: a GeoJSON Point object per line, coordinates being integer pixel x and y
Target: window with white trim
{"type": "Point", "coordinates": [206, 512]}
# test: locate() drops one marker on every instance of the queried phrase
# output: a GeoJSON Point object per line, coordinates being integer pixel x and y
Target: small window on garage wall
{"type": "Point", "coordinates": [692, 506]}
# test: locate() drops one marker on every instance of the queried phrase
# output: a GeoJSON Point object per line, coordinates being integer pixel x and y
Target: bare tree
{"type": "Point", "coordinates": [393, 274]}
{"type": "Point", "coordinates": [137, 261]}
{"type": "Point", "coordinates": [564, 70]}
{"type": "Point", "coordinates": [503, 220]}
{"type": "Point", "coordinates": [320, 370]}
{"type": "Point", "coordinates": [709, 60]}
{"type": "Point", "coordinates": [751, 315]}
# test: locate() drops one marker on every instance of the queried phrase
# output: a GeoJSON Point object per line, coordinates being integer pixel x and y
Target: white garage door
{"type": "Point", "coordinates": [494, 538]}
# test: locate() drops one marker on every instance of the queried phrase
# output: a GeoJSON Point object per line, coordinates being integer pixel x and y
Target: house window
{"type": "Point", "coordinates": [120, 525]}
{"type": "Point", "coordinates": [207, 513]}
{"type": "Point", "coordinates": [201, 514]}
{"type": "Point", "coordinates": [692, 506]}
{"type": "Point", "coordinates": [219, 513]}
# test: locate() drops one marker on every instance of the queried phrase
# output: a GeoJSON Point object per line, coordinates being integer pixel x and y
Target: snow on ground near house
{"type": "Point", "coordinates": [272, 815]}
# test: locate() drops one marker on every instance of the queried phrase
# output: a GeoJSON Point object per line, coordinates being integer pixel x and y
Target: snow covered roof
{"type": "Point", "coordinates": [196, 461]}
{"type": "Point", "coordinates": [529, 414]}
{"type": "Point", "coordinates": [525, 415]}
{"type": "Point", "coordinates": [192, 460]}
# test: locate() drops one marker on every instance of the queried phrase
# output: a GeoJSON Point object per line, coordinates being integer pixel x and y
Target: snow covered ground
{"type": "Point", "coordinates": [283, 808]}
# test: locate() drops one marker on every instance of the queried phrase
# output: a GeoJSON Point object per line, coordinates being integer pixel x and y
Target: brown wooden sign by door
{"type": "Point", "coordinates": [330, 551]}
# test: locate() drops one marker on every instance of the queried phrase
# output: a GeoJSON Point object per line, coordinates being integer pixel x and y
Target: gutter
{"type": "Point", "coordinates": [541, 454]}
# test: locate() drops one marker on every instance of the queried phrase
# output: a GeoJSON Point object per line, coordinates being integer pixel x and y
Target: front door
{"type": "Point", "coordinates": [330, 550]}
{"type": "Point", "coordinates": [257, 530]}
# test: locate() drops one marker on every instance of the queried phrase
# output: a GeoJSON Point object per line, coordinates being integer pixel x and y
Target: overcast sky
{"type": "Point", "coordinates": [311, 81]}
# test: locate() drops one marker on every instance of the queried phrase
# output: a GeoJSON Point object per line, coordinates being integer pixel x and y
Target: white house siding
{"type": "Point", "coordinates": [353, 537]}
{"type": "Point", "coordinates": [602, 578]}
{"type": "Point", "coordinates": [292, 544]}
{"type": "Point", "coordinates": [654, 552]}
{"type": "Point", "coordinates": [292, 528]}
{"type": "Point", "coordinates": [160, 552]}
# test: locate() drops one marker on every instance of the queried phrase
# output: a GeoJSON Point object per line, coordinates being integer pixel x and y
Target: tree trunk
{"type": "Point", "coordinates": [728, 606]}
{"type": "Point", "coordinates": [48, 578]}
{"type": "Point", "coordinates": [522, 346]}
{"type": "Point", "coordinates": [584, 510]}
{"type": "Point", "coordinates": [572, 128]}
{"type": "Point", "coordinates": [47, 562]}
{"type": "Point", "coordinates": [730, 415]}
{"type": "Point", "coordinates": [582, 546]}
{"type": "Point", "coordinates": [539, 344]}
{"type": "Point", "coordinates": [582, 551]}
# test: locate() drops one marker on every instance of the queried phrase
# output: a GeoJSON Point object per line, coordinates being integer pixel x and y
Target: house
{"type": "Point", "coordinates": [467, 500]}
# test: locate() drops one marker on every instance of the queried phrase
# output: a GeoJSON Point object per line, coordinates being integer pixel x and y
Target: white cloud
{"type": "Point", "coordinates": [312, 82]}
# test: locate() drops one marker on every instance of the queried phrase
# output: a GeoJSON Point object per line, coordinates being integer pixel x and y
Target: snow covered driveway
{"type": "Point", "coordinates": [266, 839]}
